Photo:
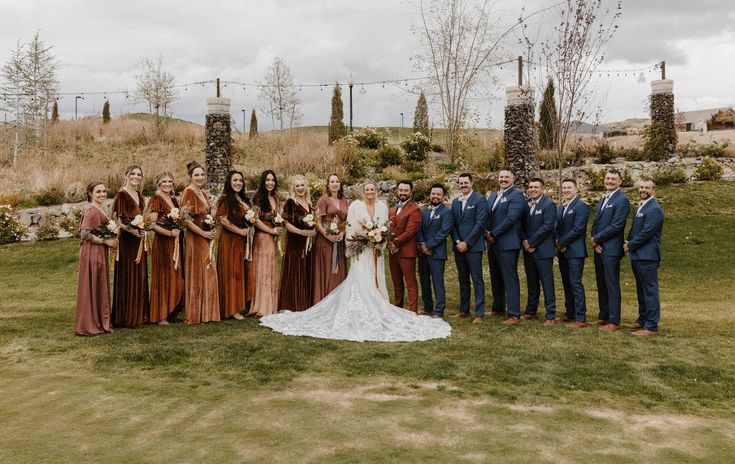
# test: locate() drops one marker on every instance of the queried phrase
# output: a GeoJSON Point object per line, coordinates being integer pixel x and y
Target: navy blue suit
{"type": "Point", "coordinates": [571, 231]}
{"type": "Point", "coordinates": [608, 229]}
{"type": "Point", "coordinates": [505, 223]}
{"type": "Point", "coordinates": [644, 250]}
{"type": "Point", "coordinates": [538, 229]}
{"type": "Point", "coordinates": [469, 227]}
{"type": "Point", "coordinates": [433, 233]}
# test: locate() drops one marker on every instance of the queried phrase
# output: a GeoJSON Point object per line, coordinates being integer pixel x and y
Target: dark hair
{"type": "Point", "coordinates": [569, 179]}
{"type": "Point", "coordinates": [537, 179]}
{"type": "Point", "coordinates": [191, 166]}
{"type": "Point", "coordinates": [405, 181]}
{"type": "Point", "coordinates": [616, 172]}
{"type": "Point", "coordinates": [340, 192]}
{"type": "Point", "coordinates": [230, 195]}
{"type": "Point", "coordinates": [506, 168]}
{"type": "Point", "coordinates": [261, 196]}
{"type": "Point", "coordinates": [438, 186]}
{"type": "Point", "coordinates": [90, 188]}
{"type": "Point", "coordinates": [465, 174]}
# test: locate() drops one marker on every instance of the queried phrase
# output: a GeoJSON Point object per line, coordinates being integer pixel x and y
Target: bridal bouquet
{"type": "Point", "coordinates": [144, 223]}
{"type": "Point", "coordinates": [372, 236]}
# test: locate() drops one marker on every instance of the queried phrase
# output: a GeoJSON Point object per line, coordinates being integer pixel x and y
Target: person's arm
{"type": "Point", "coordinates": [651, 223]}
{"type": "Point", "coordinates": [232, 228]}
{"type": "Point", "coordinates": [412, 226]}
{"type": "Point", "coordinates": [617, 225]}
{"type": "Point", "coordinates": [88, 236]}
{"type": "Point", "coordinates": [516, 206]}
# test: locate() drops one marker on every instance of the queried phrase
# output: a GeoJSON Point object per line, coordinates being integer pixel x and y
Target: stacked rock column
{"type": "Point", "coordinates": [662, 111]}
{"type": "Point", "coordinates": [518, 134]}
{"type": "Point", "coordinates": [218, 148]}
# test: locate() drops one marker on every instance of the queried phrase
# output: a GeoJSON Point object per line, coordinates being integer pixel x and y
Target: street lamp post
{"type": "Point", "coordinates": [76, 100]}
{"type": "Point", "coordinates": [243, 120]}
{"type": "Point", "coordinates": [350, 82]}
{"type": "Point", "coordinates": [401, 131]}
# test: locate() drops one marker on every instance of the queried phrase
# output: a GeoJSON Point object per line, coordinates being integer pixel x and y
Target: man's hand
{"type": "Point", "coordinates": [462, 247]}
{"type": "Point", "coordinates": [625, 247]}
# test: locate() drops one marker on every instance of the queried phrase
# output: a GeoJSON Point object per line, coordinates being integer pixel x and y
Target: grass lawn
{"type": "Point", "coordinates": [236, 392]}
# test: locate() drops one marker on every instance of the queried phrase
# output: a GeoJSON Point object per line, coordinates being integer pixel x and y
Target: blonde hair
{"type": "Point", "coordinates": [162, 176]}
{"type": "Point", "coordinates": [292, 190]}
{"type": "Point", "coordinates": [130, 169]}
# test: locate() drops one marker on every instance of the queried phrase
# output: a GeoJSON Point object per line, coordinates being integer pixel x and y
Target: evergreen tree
{"type": "Point", "coordinates": [55, 112]}
{"type": "Point", "coordinates": [106, 113]}
{"type": "Point", "coordinates": [421, 116]}
{"type": "Point", "coordinates": [548, 120]}
{"type": "Point", "coordinates": [337, 128]}
{"type": "Point", "coordinates": [253, 126]}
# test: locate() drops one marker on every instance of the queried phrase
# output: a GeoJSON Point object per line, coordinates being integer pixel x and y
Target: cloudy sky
{"type": "Point", "coordinates": [323, 41]}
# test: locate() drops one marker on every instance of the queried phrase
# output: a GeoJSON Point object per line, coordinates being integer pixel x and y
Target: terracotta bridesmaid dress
{"type": "Point", "coordinates": [232, 265]}
{"type": "Point", "coordinates": [327, 276]}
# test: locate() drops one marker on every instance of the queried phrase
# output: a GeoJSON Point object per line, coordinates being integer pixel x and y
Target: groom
{"type": "Point", "coordinates": [405, 217]}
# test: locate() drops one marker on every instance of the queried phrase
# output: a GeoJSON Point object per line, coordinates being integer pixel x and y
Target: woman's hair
{"type": "Point", "coordinates": [340, 192]}
{"type": "Point", "coordinates": [90, 188]}
{"type": "Point", "coordinates": [191, 166]}
{"type": "Point", "coordinates": [130, 169]}
{"type": "Point", "coordinates": [229, 193]}
{"type": "Point", "coordinates": [293, 185]}
{"type": "Point", "coordinates": [162, 176]}
{"type": "Point", "coordinates": [369, 182]}
{"type": "Point", "coordinates": [262, 194]}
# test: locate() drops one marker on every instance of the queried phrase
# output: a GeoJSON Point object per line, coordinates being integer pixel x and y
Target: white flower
{"type": "Point", "coordinates": [278, 219]}
{"type": "Point", "coordinates": [369, 224]}
{"type": "Point", "coordinates": [174, 214]}
{"type": "Point", "coordinates": [383, 229]}
{"type": "Point", "coordinates": [112, 227]}
{"type": "Point", "coordinates": [137, 221]}
{"type": "Point", "coordinates": [250, 216]}
{"type": "Point", "coordinates": [209, 220]}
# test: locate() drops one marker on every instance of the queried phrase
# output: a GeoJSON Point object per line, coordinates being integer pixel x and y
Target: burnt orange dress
{"type": "Point", "coordinates": [265, 268]}
{"type": "Point", "coordinates": [130, 305]}
{"type": "Point", "coordinates": [232, 262]}
{"type": "Point", "coordinates": [93, 286]}
{"type": "Point", "coordinates": [200, 270]}
{"type": "Point", "coordinates": [329, 270]}
{"type": "Point", "coordinates": [297, 263]}
{"type": "Point", "coordinates": [167, 275]}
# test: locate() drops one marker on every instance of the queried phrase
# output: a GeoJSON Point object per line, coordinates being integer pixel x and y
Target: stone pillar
{"type": "Point", "coordinates": [218, 149]}
{"type": "Point", "coordinates": [519, 142]}
{"type": "Point", "coordinates": [662, 112]}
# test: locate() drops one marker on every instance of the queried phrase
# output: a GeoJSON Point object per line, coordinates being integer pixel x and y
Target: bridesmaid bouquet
{"type": "Point", "coordinates": [144, 223]}
{"type": "Point", "coordinates": [310, 222]}
{"type": "Point", "coordinates": [251, 217]}
{"type": "Point", "coordinates": [176, 219]}
{"type": "Point", "coordinates": [278, 222]}
{"type": "Point", "coordinates": [336, 227]}
{"type": "Point", "coordinates": [208, 224]}
{"type": "Point", "coordinates": [108, 231]}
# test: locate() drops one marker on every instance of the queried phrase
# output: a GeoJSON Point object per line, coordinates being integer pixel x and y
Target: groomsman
{"type": "Point", "coordinates": [538, 251]}
{"type": "Point", "coordinates": [608, 229]}
{"type": "Point", "coordinates": [470, 214]}
{"type": "Point", "coordinates": [504, 230]}
{"type": "Point", "coordinates": [571, 229]}
{"type": "Point", "coordinates": [436, 225]}
{"type": "Point", "coordinates": [406, 219]}
{"type": "Point", "coordinates": [644, 249]}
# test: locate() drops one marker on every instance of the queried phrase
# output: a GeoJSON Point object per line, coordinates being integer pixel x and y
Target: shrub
{"type": "Point", "coordinates": [390, 155]}
{"type": "Point", "coordinates": [669, 175]}
{"type": "Point", "coordinates": [347, 156]}
{"type": "Point", "coordinates": [71, 222]}
{"type": "Point", "coordinates": [437, 148]}
{"type": "Point", "coordinates": [709, 169]}
{"type": "Point", "coordinates": [413, 166]}
{"type": "Point", "coordinates": [631, 154]}
{"type": "Point", "coordinates": [416, 146]}
{"type": "Point", "coordinates": [11, 230]}
{"type": "Point", "coordinates": [449, 168]}
{"type": "Point", "coordinates": [485, 184]}
{"type": "Point", "coordinates": [75, 192]}
{"type": "Point", "coordinates": [692, 150]}
{"type": "Point", "coordinates": [50, 196]}
{"type": "Point", "coordinates": [114, 184]}
{"type": "Point", "coordinates": [595, 180]}
{"type": "Point", "coordinates": [627, 178]}
{"type": "Point", "coordinates": [149, 187]}
{"type": "Point", "coordinates": [316, 189]}
{"type": "Point", "coordinates": [12, 200]}
{"type": "Point", "coordinates": [576, 157]}
{"type": "Point", "coordinates": [422, 189]}
{"type": "Point", "coordinates": [371, 138]}
{"type": "Point", "coordinates": [47, 229]}
{"type": "Point", "coordinates": [603, 152]}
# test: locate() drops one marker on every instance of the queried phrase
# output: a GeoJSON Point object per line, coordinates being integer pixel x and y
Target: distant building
{"type": "Point", "coordinates": [695, 120]}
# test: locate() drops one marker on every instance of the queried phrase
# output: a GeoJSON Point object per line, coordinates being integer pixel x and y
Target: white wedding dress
{"type": "Point", "coordinates": [356, 310]}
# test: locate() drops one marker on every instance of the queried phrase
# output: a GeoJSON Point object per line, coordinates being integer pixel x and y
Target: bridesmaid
{"type": "Point", "coordinates": [167, 266]}
{"type": "Point", "coordinates": [232, 256]}
{"type": "Point", "coordinates": [328, 272]}
{"type": "Point", "coordinates": [130, 305]}
{"type": "Point", "coordinates": [93, 287]}
{"type": "Point", "coordinates": [296, 268]}
{"type": "Point", "coordinates": [265, 253]}
{"type": "Point", "coordinates": [200, 273]}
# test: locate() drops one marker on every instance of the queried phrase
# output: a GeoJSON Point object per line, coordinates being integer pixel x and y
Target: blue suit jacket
{"type": "Point", "coordinates": [506, 222]}
{"type": "Point", "coordinates": [434, 232]}
{"type": "Point", "coordinates": [539, 228]}
{"type": "Point", "coordinates": [608, 227]}
{"type": "Point", "coordinates": [469, 225]}
{"type": "Point", "coordinates": [644, 237]}
{"type": "Point", "coordinates": [571, 229]}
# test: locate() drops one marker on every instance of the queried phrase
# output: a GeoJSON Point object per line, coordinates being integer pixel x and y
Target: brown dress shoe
{"type": "Point", "coordinates": [633, 326]}
{"type": "Point", "coordinates": [478, 320]}
{"type": "Point", "coordinates": [601, 322]}
{"type": "Point", "coordinates": [494, 314]}
{"type": "Point", "coordinates": [529, 317]}
{"type": "Point", "coordinates": [577, 325]}
{"type": "Point", "coordinates": [643, 333]}
{"type": "Point", "coordinates": [610, 327]}
{"type": "Point", "coordinates": [567, 319]}
{"type": "Point", "coordinates": [549, 322]}
{"type": "Point", "coordinates": [458, 315]}
{"type": "Point", "coordinates": [511, 321]}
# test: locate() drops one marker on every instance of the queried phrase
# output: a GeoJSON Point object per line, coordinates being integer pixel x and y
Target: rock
{"type": "Point", "coordinates": [218, 149]}
{"type": "Point", "coordinates": [25, 218]}
{"type": "Point", "coordinates": [673, 159]}
{"type": "Point", "coordinates": [519, 141]}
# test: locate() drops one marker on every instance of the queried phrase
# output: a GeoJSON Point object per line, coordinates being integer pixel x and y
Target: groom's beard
{"type": "Point", "coordinates": [403, 198]}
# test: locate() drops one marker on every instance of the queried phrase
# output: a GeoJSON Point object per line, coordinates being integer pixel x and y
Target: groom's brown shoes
{"type": "Point", "coordinates": [633, 326]}
{"type": "Point", "coordinates": [511, 321]}
{"type": "Point", "coordinates": [610, 327]}
{"type": "Point", "coordinates": [643, 333]}
{"type": "Point", "coordinates": [478, 320]}
{"type": "Point", "coordinates": [459, 315]}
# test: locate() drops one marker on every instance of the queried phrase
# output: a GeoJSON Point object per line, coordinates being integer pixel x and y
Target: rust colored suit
{"type": "Point", "coordinates": [403, 263]}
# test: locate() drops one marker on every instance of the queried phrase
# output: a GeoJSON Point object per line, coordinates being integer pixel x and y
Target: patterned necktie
{"type": "Point", "coordinates": [533, 208]}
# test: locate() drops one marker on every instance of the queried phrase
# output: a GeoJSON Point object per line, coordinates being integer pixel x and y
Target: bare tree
{"type": "Point", "coordinates": [155, 85]}
{"type": "Point", "coordinates": [281, 98]}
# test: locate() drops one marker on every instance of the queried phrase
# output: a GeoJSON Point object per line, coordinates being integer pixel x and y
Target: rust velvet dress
{"type": "Point", "coordinates": [232, 265]}
{"type": "Point", "coordinates": [325, 279]}
{"type": "Point", "coordinates": [265, 268]}
{"type": "Point", "coordinates": [130, 306]}
{"type": "Point", "coordinates": [93, 286]}
{"type": "Point", "coordinates": [296, 266]}
{"type": "Point", "coordinates": [167, 276]}
{"type": "Point", "coordinates": [200, 274]}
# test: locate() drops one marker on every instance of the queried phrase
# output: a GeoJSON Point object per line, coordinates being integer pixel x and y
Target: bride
{"type": "Point", "coordinates": [356, 310]}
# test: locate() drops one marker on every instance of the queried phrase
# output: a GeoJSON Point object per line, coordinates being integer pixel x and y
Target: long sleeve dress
{"type": "Point", "coordinates": [265, 268]}
{"type": "Point", "coordinates": [200, 270]}
{"type": "Point", "coordinates": [130, 305]}
{"type": "Point", "coordinates": [93, 287]}
{"type": "Point", "coordinates": [297, 263]}
{"type": "Point", "coordinates": [329, 271]}
{"type": "Point", "coordinates": [167, 268]}
{"type": "Point", "coordinates": [232, 263]}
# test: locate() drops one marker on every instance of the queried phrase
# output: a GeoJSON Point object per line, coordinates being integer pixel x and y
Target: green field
{"type": "Point", "coordinates": [236, 392]}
